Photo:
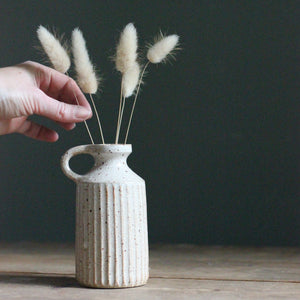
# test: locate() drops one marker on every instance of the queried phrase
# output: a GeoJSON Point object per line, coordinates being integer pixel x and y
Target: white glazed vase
{"type": "Point", "coordinates": [111, 246]}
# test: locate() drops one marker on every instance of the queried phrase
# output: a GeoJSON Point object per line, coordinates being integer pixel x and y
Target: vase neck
{"type": "Point", "coordinates": [111, 154]}
{"type": "Point", "coordinates": [110, 158]}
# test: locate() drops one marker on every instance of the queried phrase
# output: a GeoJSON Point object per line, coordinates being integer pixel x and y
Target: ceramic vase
{"type": "Point", "coordinates": [111, 247]}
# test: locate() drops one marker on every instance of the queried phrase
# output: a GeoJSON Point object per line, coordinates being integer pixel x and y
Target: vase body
{"type": "Point", "coordinates": [111, 243]}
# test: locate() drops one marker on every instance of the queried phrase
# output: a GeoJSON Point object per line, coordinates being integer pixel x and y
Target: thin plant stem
{"type": "Point", "coordinates": [134, 102]}
{"type": "Point", "coordinates": [87, 128]}
{"type": "Point", "coordinates": [119, 114]}
{"type": "Point", "coordinates": [85, 123]}
{"type": "Point", "coordinates": [98, 119]}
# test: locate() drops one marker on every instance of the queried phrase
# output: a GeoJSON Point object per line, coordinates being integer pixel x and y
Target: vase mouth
{"type": "Point", "coordinates": [110, 148]}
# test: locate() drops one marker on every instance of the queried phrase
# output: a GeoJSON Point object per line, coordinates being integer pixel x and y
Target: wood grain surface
{"type": "Point", "coordinates": [46, 271]}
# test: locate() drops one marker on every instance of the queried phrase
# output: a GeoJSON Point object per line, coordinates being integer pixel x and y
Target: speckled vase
{"type": "Point", "coordinates": [111, 245]}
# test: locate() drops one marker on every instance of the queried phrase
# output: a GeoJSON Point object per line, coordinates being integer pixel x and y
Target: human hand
{"type": "Point", "coordinates": [31, 88]}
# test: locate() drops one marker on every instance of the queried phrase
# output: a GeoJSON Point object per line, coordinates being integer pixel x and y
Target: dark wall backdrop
{"type": "Point", "coordinates": [214, 134]}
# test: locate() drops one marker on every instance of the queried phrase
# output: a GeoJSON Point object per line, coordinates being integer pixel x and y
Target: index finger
{"type": "Point", "coordinates": [59, 86]}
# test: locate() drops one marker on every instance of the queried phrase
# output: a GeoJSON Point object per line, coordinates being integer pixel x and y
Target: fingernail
{"type": "Point", "coordinates": [83, 113]}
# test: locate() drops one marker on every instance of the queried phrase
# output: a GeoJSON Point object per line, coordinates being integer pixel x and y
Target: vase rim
{"type": "Point", "coordinates": [111, 147]}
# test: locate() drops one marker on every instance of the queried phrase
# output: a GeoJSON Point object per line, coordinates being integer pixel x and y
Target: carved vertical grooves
{"type": "Point", "coordinates": [108, 233]}
{"type": "Point", "coordinates": [78, 242]}
{"type": "Point", "coordinates": [135, 228]}
{"type": "Point", "coordinates": [145, 235]}
{"type": "Point", "coordinates": [96, 235]}
{"type": "Point", "coordinates": [125, 235]}
{"type": "Point", "coordinates": [102, 221]}
{"type": "Point", "coordinates": [104, 260]}
{"type": "Point", "coordinates": [118, 235]}
{"type": "Point", "coordinates": [140, 240]}
{"type": "Point", "coordinates": [90, 244]}
{"type": "Point", "coordinates": [128, 217]}
{"type": "Point", "coordinates": [111, 235]}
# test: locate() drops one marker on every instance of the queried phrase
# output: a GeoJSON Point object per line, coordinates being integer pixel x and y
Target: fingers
{"type": "Point", "coordinates": [31, 129]}
{"type": "Point", "coordinates": [67, 126]}
{"type": "Point", "coordinates": [59, 97]}
{"type": "Point", "coordinates": [59, 86]}
{"type": "Point", "coordinates": [60, 111]}
{"type": "Point", "coordinates": [38, 132]}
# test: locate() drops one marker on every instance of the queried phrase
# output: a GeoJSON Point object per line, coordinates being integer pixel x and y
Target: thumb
{"type": "Point", "coordinates": [60, 111]}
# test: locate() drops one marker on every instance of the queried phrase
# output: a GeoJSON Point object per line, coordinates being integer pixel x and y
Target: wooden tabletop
{"type": "Point", "coordinates": [46, 271]}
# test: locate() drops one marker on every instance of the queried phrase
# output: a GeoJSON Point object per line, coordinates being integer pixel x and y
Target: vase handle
{"type": "Point", "coordinates": [65, 159]}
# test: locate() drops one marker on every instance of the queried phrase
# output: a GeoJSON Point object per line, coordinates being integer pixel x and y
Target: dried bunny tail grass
{"type": "Point", "coordinates": [57, 54]}
{"type": "Point", "coordinates": [86, 75]}
{"type": "Point", "coordinates": [125, 59]}
{"type": "Point", "coordinates": [126, 53]}
{"type": "Point", "coordinates": [130, 80]}
{"type": "Point", "coordinates": [159, 51]}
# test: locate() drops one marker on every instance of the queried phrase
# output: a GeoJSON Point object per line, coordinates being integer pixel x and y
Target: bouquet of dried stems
{"type": "Point", "coordinates": [126, 62]}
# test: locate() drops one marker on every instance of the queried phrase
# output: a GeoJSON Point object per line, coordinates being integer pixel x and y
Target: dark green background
{"type": "Point", "coordinates": [214, 134]}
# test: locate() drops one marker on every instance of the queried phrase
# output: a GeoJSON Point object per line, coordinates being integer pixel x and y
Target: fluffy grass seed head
{"type": "Point", "coordinates": [162, 48]}
{"type": "Point", "coordinates": [126, 53]}
{"type": "Point", "coordinates": [130, 80]}
{"type": "Point", "coordinates": [86, 75]}
{"type": "Point", "coordinates": [57, 54]}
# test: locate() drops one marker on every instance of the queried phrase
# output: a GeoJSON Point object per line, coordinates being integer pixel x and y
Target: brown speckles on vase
{"type": "Point", "coordinates": [111, 220]}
